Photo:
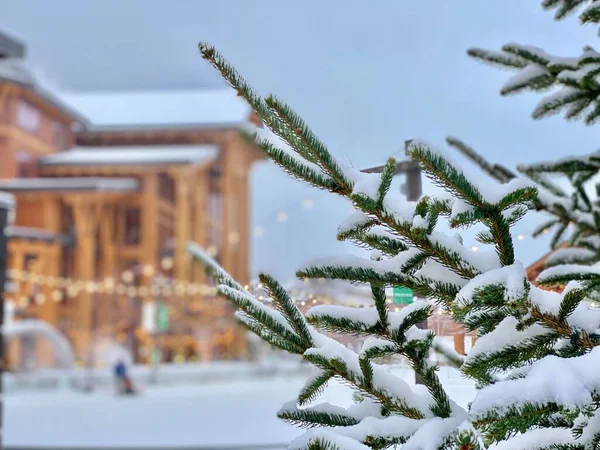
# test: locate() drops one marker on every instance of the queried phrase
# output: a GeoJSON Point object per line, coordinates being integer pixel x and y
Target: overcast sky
{"type": "Point", "coordinates": [365, 75]}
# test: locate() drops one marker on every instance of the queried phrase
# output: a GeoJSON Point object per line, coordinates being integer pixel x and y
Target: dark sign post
{"type": "Point", "coordinates": [7, 206]}
{"type": "Point", "coordinates": [412, 189]}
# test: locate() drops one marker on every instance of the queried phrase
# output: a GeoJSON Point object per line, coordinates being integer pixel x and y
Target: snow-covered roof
{"type": "Point", "coordinates": [218, 108]}
{"type": "Point", "coordinates": [143, 155]}
{"type": "Point", "coordinates": [7, 201]}
{"type": "Point", "coordinates": [37, 234]}
{"type": "Point", "coordinates": [14, 70]}
{"type": "Point", "coordinates": [69, 184]}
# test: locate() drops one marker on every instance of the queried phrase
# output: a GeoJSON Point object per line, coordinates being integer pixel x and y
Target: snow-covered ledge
{"type": "Point", "coordinates": [7, 201]}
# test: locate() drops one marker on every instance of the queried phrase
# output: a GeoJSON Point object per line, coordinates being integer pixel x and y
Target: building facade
{"type": "Point", "coordinates": [106, 205]}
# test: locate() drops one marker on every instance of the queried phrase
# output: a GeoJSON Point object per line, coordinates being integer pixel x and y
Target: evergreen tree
{"type": "Point", "coordinates": [568, 189]}
{"type": "Point", "coordinates": [573, 79]}
{"type": "Point", "coordinates": [535, 363]}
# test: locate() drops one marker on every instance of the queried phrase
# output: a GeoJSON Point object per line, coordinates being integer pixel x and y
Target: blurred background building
{"type": "Point", "coordinates": [104, 212]}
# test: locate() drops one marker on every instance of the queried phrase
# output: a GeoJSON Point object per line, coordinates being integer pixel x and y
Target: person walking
{"type": "Point", "coordinates": [124, 385]}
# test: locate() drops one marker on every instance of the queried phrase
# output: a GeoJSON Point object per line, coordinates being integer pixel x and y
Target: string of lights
{"type": "Point", "coordinates": [159, 287]}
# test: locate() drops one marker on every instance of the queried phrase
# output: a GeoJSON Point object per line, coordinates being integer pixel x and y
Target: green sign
{"type": "Point", "coordinates": [162, 317]}
{"type": "Point", "coordinates": [402, 295]}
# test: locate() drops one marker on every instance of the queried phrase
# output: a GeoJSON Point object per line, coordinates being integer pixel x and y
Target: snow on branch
{"type": "Point", "coordinates": [513, 278]}
{"type": "Point", "coordinates": [571, 385]}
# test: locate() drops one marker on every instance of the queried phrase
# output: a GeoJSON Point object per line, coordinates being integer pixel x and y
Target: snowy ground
{"type": "Point", "coordinates": [234, 413]}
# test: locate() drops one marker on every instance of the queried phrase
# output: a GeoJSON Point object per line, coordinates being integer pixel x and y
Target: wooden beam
{"type": "Point", "coordinates": [228, 195]}
{"type": "Point", "coordinates": [459, 343]}
{"type": "Point", "coordinates": [51, 265]}
{"type": "Point", "coordinates": [244, 226]}
{"type": "Point", "coordinates": [48, 310]}
{"type": "Point", "coordinates": [25, 139]}
{"type": "Point", "coordinates": [150, 212]}
{"type": "Point", "coordinates": [108, 266]}
{"type": "Point", "coordinates": [182, 226]}
{"type": "Point", "coordinates": [86, 215]}
{"type": "Point", "coordinates": [200, 211]}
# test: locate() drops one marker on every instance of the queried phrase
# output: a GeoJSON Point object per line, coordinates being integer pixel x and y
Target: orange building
{"type": "Point", "coordinates": [105, 207]}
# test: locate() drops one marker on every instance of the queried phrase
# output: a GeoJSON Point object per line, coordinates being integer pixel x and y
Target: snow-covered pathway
{"type": "Point", "coordinates": [217, 414]}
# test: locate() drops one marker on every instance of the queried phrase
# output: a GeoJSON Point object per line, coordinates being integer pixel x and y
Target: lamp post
{"type": "Point", "coordinates": [7, 206]}
{"type": "Point", "coordinates": [412, 189]}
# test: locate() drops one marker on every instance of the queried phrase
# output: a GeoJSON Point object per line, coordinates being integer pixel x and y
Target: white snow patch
{"type": "Point", "coordinates": [513, 277]}
{"type": "Point", "coordinates": [536, 439]}
{"type": "Point", "coordinates": [366, 316]}
{"type": "Point", "coordinates": [503, 335]}
{"type": "Point", "coordinates": [525, 76]}
{"type": "Point", "coordinates": [571, 384]}
{"type": "Point", "coordinates": [567, 270]}
{"type": "Point", "coordinates": [570, 255]}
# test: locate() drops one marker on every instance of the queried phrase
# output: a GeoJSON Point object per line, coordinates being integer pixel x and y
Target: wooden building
{"type": "Point", "coordinates": [121, 193]}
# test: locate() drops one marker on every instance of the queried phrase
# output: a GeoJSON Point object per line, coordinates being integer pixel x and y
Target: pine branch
{"type": "Point", "coordinates": [314, 147]}
{"type": "Point", "coordinates": [313, 417]}
{"type": "Point", "coordinates": [290, 311]}
{"type": "Point", "coordinates": [212, 267]}
{"type": "Point", "coordinates": [270, 319]}
{"type": "Point", "coordinates": [314, 386]}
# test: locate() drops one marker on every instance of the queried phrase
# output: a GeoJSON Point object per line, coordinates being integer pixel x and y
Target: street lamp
{"type": "Point", "coordinates": [7, 206]}
{"type": "Point", "coordinates": [412, 189]}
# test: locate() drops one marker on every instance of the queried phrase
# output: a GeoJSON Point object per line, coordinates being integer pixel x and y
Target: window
{"type": "Point", "coordinates": [26, 164]}
{"type": "Point", "coordinates": [132, 226]}
{"type": "Point", "coordinates": [166, 187]}
{"type": "Point", "coordinates": [29, 261]}
{"type": "Point", "coordinates": [28, 117]}
{"type": "Point", "coordinates": [59, 137]}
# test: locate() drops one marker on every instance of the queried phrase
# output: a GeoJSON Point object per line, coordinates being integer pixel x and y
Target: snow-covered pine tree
{"type": "Point", "coordinates": [574, 80]}
{"type": "Point", "coordinates": [573, 207]}
{"type": "Point", "coordinates": [534, 364]}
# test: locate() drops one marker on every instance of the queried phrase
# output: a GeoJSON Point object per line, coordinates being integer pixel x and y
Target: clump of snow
{"type": "Point", "coordinates": [436, 271]}
{"type": "Point", "coordinates": [433, 434]}
{"type": "Point", "coordinates": [396, 387]}
{"type": "Point", "coordinates": [396, 205]}
{"type": "Point", "coordinates": [570, 255]}
{"type": "Point", "coordinates": [459, 206]}
{"type": "Point", "coordinates": [593, 241]}
{"type": "Point", "coordinates": [549, 303]}
{"type": "Point", "coordinates": [396, 319]}
{"type": "Point", "coordinates": [333, 350]}
{"type": "Point", "coordinates": [537, 439]}
{"type": "Point", "coordinates": [576, 75]}
{"type": "Point", "coordinates": [366, 316]}
{"type": "Point", "coordinates": [356, 219]}
{"type": "Point", "coordinates": [568, 270]}
{"type": "Point", "coordinates": [420, 222]}
{"type": "Point", "coordinates": [416, 334]}
{"type": "Point", "coordinates": [503, 335]}
{"type": "Point", "coordinates": [592, 428]}
{"type": "Point", "coordinates": [324, 434]}
{"type": "Point", "coordinates": [572, 382]}
{"type": "Point", "coordinates": [374, 342]}
{"type": "Point", "coordinates": [513, 277]}
{"type": "Point", "coordinates": [390, 427]}
{"type": "Point", "coordinates": [367, 184]}
{"type": "Point", "coordinates": [525, 76]}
